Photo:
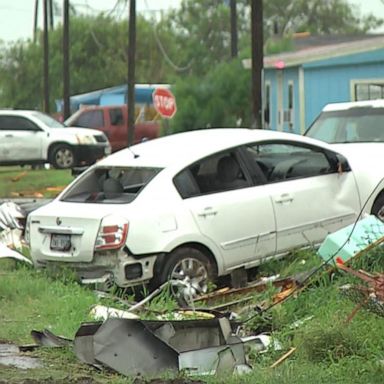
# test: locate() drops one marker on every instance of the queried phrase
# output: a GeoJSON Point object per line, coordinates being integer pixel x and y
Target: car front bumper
{"type": "Point", "coordinates": [89, 154]}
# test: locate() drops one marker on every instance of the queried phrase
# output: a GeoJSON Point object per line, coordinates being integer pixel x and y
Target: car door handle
{"type": "Point", "coordinates": [208, 211]}
{"type": "Point", "coordinates": [9, 135]}
{"type": "Point", "coordinates": [284, 198]}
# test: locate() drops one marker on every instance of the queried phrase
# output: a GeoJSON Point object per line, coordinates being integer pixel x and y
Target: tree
{"type": "Point", "coordinates": [98, 59]}
{"type": "Point", "coordinates": [317, 17]}
{"type": "Point", "coordinates": [218, 99]}
{"type": "Point", "coordinates": [202, 33]}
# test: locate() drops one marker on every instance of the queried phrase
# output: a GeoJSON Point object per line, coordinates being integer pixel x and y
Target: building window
{"type": "Point", "coordinates": [368, 91]}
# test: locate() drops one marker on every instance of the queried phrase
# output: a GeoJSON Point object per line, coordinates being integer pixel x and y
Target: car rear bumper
{"type": "Point", "coordinates": [123, 270]}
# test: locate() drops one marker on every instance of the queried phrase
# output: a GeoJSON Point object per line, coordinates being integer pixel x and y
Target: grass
{"type": "Point", "coordinates": [26, 182]}
{"type": "Point", "coordinates": [328, 349]}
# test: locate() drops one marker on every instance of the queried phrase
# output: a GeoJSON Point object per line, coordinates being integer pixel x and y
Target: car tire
{"type": "Point", "coordinates": [189, 272]}
{"type": "Point", "coordinates": [62, 156]}
{"type": "Point", "coordinates": [378, 207]}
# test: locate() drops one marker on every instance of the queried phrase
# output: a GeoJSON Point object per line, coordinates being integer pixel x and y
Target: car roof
{"type": "Point", "coordinates": [18, 112]}
{"type": "Point", "coordinates": [187, 147]}
{"type": "Point", "coordinates": [378, 103]}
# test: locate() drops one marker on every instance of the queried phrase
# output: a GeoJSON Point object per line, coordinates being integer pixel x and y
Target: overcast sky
{"type": "Point", "coordinates": [16, 16]}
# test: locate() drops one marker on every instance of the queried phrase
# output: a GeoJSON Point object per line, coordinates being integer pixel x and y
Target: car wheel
{"type": "Point", "coordinates": [378, 207]}
{"type": "Point", "coordinates": [189, 272]}
{"type": "Point", "coordinates": [62, 157]}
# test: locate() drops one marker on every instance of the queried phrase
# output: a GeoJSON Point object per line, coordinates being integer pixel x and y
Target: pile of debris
{"type": "Point", "coordinates": [13, 216]}
{"type": "Point", "coordinates": [213, 340]}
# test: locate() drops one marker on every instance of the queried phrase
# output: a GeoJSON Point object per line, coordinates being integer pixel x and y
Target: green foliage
{"type": "Point", "coordinates": [316, 17]}
{"type": "Point", "coordinates": [218, 99]}
{"type": "Point", "coordinates": [329, 345]}
{"type": "Point", "coordinates": [189, 45]}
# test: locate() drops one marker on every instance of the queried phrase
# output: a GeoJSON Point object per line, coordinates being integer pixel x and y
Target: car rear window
{"type": "Point", "coordinates": [110, 185]}
{"type": "Point", "coordinates": [359, 124]}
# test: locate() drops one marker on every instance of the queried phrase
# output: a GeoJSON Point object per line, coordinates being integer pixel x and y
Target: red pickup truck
{"type": "Point", "coordinates": [113, 121]}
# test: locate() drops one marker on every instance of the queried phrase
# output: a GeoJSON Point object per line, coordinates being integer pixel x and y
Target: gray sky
{"type": "Point", "coordinates": [16, 16]}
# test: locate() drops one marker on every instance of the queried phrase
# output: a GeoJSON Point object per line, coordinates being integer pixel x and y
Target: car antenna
{"type": "Point", "coordinates": [135, 155]}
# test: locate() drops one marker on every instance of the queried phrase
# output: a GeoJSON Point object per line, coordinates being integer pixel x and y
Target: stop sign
{"type": "Point", "coordinates": [164, 102]}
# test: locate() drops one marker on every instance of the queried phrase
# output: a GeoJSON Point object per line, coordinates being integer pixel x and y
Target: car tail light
{"type": "Point", "coordinates": [112, 233]}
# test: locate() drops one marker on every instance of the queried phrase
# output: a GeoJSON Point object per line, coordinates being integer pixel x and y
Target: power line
{"type": "Point", "coordinates": [164, 53]}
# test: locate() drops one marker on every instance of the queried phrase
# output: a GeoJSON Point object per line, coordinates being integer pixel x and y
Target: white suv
{"type": "Point", "coordinates": [32, 137]}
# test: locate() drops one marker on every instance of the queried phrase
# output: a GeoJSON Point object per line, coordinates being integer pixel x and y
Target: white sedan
{"type": "Point", "coordinates": [194, 206]}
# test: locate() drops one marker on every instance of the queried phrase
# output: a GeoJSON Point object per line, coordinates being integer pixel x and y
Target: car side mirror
{"type": "Point", "coordinates": [342, 164]}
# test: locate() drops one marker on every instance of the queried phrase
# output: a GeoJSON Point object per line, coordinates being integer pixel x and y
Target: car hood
{"type": "Point", "coordinates": [78, 131]}
{"type": "Point", "coordinates": [361, 154]}
{"type": "Point", "coordinates": [359, 149]}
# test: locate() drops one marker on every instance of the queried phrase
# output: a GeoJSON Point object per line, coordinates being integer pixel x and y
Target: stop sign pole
{"type": "Point", "coordinates": [164, 102]}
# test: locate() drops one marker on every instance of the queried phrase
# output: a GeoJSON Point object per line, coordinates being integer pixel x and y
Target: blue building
{"type": "Point", "coordinates": [319, 71]}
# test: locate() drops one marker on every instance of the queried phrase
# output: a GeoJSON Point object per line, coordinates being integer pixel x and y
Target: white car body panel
{"type": "Point", "coordinates": [239, 228]}
{"type": "Point", "coordinates": [309, 209]}
{"type": "Point", "coordinates": [233, 223]}
{"type": "Point", "coordinates": [30, 144]}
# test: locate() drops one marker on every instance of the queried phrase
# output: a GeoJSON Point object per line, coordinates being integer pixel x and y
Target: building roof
{"type": "Point", "coordinates": [311, 49]}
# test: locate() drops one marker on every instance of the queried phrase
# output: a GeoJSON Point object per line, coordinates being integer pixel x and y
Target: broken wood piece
{"type": "Point", "coordinates": [282, 358]}
{"type": "Point", "coordinates": [19, 176]}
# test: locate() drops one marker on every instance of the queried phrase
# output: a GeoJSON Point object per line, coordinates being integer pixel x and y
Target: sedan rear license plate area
{"type": "Point", "coordinates": [60, 242]}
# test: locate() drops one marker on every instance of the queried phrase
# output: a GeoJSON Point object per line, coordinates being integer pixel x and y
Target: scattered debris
{"type": "Point", "coordinates": [226, 298]}
{"type": "Point", "coordinates": [352, 240]}
{"type": "Point", "coordinates": [101, 312]}
{"type": "Point", "coordinates": [370, 296]}
{"type": "Point", "coordinates": [19, 176]}
{"type": "Point", "coordinates": [10, 216]}
{"type": "Point", "coordinates": [6, 252]}
{"type": "Point", "coordinates": [194, 346]}
{"type": "Point", "coordinates": [47, 339]}
{"type": "Point", "coordinates": [10, 355]}
{"type": "Point", "coordinates": [299, 323]}
{"type": "Point", "coordinates": [282, 358]}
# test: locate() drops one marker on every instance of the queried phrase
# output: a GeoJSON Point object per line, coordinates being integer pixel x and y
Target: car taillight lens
{"type": "Point", "coordinates": [112, 233]}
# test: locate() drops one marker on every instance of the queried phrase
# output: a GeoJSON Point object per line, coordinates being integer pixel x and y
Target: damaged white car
{"type": "Point", "coordinates": [197, 205]}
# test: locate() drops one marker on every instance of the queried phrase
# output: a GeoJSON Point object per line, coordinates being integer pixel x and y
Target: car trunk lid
{"type": "Point", "coordinates": [69, 234]}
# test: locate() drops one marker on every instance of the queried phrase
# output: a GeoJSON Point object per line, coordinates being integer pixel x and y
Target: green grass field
{"type": "Point", "coordinates": [328, 349]}
{"type": "Point", "coordinates": [26, 182]}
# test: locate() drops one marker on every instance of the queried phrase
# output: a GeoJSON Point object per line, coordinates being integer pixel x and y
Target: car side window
{"type": "Point", "coordinates": [17, 123]}
{"type": "Point", "coordinates": [90, 119]}
{"type": "Point", "coordinates": [217, 173]}
{"type": "Point", "coordinates": [116, 116]}
{"type": "Point", "coordinates": [287, 161]}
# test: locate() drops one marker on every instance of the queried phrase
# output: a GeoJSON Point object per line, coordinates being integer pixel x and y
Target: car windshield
{"type": "Point", "coordinates": [110, 185]}
{"type": "Point", "coordinates": [48, 120]}
{"type": "Point", "coordinates": [354, 125]}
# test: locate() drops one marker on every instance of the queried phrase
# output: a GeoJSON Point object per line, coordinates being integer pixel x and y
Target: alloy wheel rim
{"type": "Point", "coordinates": [64, 158]}
{"type": "Point", "coordinates": [189, 279]}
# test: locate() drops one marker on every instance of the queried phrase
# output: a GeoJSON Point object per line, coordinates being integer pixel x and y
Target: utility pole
{"type": "Point", "coordinates": [46, 56]}
{"type": "Point", "coordinates": [234, 50]}
{"type": "Point", "coordinates": [66, 78]}
{"type": "Point", "coordinates": [131, 71]}
{"type": "Point", "coordinates": [51, 23]}
{"type": "Point", "coordinates": [35, 20]}
{"type": "Point", "coordinates": [257, 61]}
